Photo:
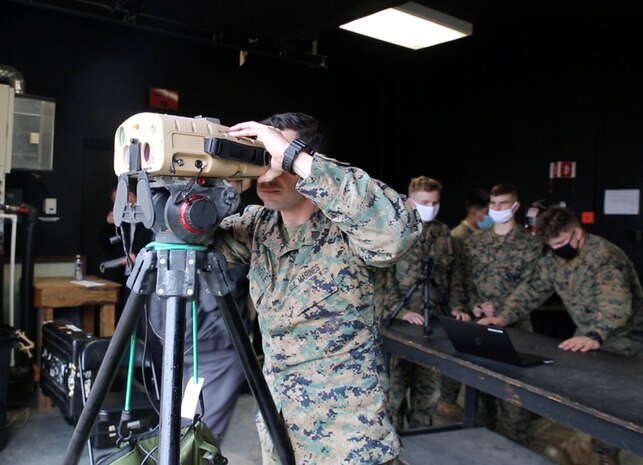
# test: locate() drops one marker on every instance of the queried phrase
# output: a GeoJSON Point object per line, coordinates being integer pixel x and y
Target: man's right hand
{"type": "Point", "coordinates": [486, 309]}
{"type": "Point", "coordinates": [412, 317]}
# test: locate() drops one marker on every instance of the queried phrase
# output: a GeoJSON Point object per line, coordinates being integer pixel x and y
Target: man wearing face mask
{"type": "Point", "coordinates": [496, 260]}
{"type": "Point", "coordinates": [598, 285]}
{"type": "Point", "coordinates": [446, 296]}
{"type": "Point", "coordinates": [476, 205]}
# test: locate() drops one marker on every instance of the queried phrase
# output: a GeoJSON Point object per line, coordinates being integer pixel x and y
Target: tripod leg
{"type": "Point", "coordinates": [171, 387]}
{"type": "Point", "coordinates": [104, 379]}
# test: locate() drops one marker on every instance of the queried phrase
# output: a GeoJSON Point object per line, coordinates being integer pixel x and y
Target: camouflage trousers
{"type": "Point", "coordinates": [505, 418]}
{"type": "Point", "coordinates": [423, 387]}
{"type": "Point", "coordinates": [450, 390]}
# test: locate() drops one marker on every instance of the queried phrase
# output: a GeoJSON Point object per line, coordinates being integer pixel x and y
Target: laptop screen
{"type": "Point", "coordinates": [488, 342]}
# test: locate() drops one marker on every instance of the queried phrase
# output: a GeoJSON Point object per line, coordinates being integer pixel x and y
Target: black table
{"type": "Point", "coordinates": [599, 393]}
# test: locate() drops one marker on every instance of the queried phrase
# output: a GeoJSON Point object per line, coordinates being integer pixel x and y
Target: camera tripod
{"type": "Point", "coordinates": [184, 213]}
{"type": "Point", "coordinates": [428, 283]}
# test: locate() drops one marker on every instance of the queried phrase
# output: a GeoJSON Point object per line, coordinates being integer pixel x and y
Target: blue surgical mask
{"type": "Point", "coordinates": [486, 222]}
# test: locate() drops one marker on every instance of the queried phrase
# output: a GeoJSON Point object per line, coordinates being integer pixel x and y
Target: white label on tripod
{"type": "Point", "coordinates": [191, 398]}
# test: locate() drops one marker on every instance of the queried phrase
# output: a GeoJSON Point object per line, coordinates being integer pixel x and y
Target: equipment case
{"type": "Point", "coordinates": [62, 343]}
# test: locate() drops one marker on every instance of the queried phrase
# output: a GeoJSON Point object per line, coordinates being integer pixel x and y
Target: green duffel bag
{"type": "Point", "coordinates": [198, 447]}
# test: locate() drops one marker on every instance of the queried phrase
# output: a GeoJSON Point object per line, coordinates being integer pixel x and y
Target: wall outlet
{"type": "Point", "coordinates": [50, 206]}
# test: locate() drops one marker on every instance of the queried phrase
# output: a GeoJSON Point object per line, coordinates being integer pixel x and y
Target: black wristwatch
{"type": "Point", "coordinates": [594, 336]}
{"type": "Point", "coordinates": [292, 151]}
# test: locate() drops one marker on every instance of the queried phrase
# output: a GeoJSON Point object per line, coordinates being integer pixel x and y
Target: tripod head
{"type": "Point", "coordinates": [427, 267]}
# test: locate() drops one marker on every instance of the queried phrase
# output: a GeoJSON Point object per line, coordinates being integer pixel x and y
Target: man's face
{"type": "Point", "coordinates": [502, 202]}
{"type": "Point", "coordinates": [428, 199]}
{"type": "Point", "coordinates": [571, 237]}
{"type": "Point", "coordinates": [480, 213]}
{"type": "Point", "coordinates": [280, 194]}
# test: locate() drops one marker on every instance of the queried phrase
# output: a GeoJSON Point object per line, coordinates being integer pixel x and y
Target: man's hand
{"type": "Point", "coordinates": [486, 308]}
{"type": "Point", "coordinates": [460, 314]}
{"type": "Point", "coordinates": [493, 321]}
{"type": "Point", "coordinates": [412, 317]}
{"type": "Point", "coordinates": [579, 344]}
{"type": "Point", "coordinates": [271, 138]}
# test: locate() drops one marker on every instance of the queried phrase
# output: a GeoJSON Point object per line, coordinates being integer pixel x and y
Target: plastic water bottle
{"type": "Point", "coordinates": [78, 268]}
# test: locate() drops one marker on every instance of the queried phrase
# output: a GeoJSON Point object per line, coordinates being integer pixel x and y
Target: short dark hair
{"type": "Point", "coordinates": [424, 184]}
{"type": "Point", "coordinates": [308, 129]}
{"type": "Point", "coordinates": [554, 221]}
{"type": "Point", "coordinates": [504, 189]}
{"type": "Point", "coordinates": [477, 198]}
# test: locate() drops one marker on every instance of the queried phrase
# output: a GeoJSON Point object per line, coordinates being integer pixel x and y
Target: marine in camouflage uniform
{"type": "Point", "coordinates": [313, 293]}
{"type": "Point", "coordinates": [446, 293]}
{"type": "Point", "coordinates": [494, 265]}
{"type": "Point", "coordinates": [600, 289]}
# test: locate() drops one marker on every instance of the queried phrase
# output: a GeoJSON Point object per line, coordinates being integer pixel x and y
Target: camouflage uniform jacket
{"type": "Point", "coordinates": [313, 294]}
{"type": "Point", "coordinates": [445, 271]}
{"type": "Point", "coordinates": [463, 231]}
{"type": "Point", "coordinates": [599, 287]}
{"type": "Point", "coordinates": [494, 265]}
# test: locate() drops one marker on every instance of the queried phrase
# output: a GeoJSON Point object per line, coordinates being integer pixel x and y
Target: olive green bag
{"type": "Point", "coordinates": [198, 447]}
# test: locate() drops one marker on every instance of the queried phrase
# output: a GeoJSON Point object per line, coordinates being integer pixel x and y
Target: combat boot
{"type": "Point", "coordinates": [578, 448]}
{"type": "Point", "coordinates": [450, 411]}
{"type": "Point", "coordinates": [557, 455]}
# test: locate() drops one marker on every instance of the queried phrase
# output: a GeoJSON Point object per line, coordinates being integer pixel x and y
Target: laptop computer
{"type": "Point", "coordinates": [490, 342]}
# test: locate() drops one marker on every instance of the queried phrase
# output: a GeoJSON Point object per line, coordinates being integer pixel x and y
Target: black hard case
{"type": "Point", "coordinates": [62, 343]}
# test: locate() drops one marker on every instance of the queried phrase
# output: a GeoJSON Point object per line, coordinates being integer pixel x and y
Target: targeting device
{"type": "Point", "coordinates": [182, 166]}
{"type": "Point", "coordinates": [180, 146]}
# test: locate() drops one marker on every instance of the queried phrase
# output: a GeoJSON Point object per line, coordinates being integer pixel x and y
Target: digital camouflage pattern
{"type": "Point", "coordinates": [314, 298]}
{"type": "Point", "coordinates": [446, 273]}
{"type": "Point", "coordinates": [462, 232]}
{"type": "Point", "coordinates": [494, 265]}
{"type": "Point", "coordinates": [599, 288]}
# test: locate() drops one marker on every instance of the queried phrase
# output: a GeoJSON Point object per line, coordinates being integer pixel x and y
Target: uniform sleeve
{"type": "Point", "coordinates": [379, 226]}
{"type": "Point", "coordinates": [457, 295]}
{"type": "Point", "coordinates": [614, 299]}
{"type": "Point", "coordinates": [468, 285]}
{"type": "Point", "coordinates": [235, 235]}
{"type": "Point", "coordinates": [530, 293]}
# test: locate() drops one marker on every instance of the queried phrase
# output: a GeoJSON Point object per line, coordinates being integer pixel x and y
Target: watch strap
{"type": "Point", "coordinates": [594, 336]}
{"type": "Point", "coordinates": [291, 153]}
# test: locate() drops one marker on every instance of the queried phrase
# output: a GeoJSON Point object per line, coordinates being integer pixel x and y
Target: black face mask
{"type": "Point", "coordinates": [566, 251]}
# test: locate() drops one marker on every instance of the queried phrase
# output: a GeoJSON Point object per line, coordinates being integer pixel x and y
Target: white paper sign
{"type": "Point", "coordinates": [622, 202]}
{"type": "Point", "coordinates": [190, 398]}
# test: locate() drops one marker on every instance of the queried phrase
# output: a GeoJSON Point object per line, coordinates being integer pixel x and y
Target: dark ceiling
{"type": "Point", "coordinates": [298, 29]}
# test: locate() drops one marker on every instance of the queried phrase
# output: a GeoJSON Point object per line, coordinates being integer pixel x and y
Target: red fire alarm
{"type": "Point", "coordinates": [587, 218]}
{"type": "Point", "coordinates": [164, 99]}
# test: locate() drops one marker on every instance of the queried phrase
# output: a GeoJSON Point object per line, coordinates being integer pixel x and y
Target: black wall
{"type": "Point", "coordinates": [470, 122]}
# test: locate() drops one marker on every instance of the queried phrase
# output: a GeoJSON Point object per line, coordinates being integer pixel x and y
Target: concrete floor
{"type": "Point", "coordinates": [37, 436]}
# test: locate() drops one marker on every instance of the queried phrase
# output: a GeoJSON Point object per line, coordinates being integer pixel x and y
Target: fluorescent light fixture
{"type": "Point", "coordinates": [411, 25]}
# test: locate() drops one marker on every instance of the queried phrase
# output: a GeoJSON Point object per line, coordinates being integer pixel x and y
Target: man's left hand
{"type": "Point", "coordinates": [579, 344]}
{"type": "Point", "coordinates": [493, 321]}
